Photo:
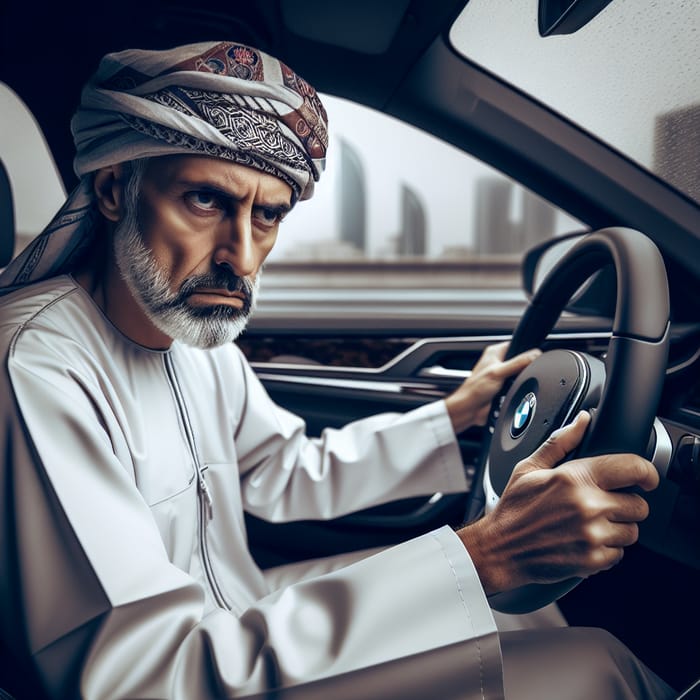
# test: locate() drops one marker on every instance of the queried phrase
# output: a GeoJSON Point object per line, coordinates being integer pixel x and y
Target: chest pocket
{"type": "Point", "coordinates": [165, 476]}
{"type": "Point", "coordinates": [165, 469]}
{"type": "Point", "coordinates": [161, 456]}
{"type": "Point", "coordinates": [153, 444]}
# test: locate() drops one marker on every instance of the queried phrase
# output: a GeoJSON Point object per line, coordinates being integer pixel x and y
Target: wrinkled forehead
{"type": "Point", "coordinates": [180, 173]}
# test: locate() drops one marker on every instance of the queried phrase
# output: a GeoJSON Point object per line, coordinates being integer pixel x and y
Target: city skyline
{"type": "Point", "coordinates": [391, 190]}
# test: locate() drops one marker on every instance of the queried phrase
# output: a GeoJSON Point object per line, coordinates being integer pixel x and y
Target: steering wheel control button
{"type": "Point", "coordinates": [523, 415]}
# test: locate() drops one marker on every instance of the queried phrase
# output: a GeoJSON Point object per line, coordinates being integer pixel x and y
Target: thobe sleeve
{"type": "Point", "coordinates": [286, 476]}
{"type": "Point", "coordinates": [105, 614]}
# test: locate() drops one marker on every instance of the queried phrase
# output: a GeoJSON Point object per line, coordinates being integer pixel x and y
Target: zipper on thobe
{"type": "Point", "coordinates": [205, 504]}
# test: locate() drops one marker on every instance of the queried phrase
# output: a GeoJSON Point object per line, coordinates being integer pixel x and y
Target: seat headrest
{"type": "Point", "coordinates": [7, 218]}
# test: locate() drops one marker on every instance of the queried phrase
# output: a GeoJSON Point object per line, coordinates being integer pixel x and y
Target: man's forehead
{"type": "Point", "coordinates": [232, 178]}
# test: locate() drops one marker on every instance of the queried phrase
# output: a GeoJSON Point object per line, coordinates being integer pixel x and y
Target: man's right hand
{"type": "Point", "coordinates": [554, 524]}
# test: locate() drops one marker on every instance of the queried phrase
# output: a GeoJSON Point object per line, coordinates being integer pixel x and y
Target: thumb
{"type": "Point", "coordinates": [560, 443]}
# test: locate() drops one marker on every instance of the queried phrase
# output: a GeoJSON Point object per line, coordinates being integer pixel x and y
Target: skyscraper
{"type": "Point", "coordinates": [509, 218]}
{"type": "Point", "coordinates": [677, 149]}
{"type": "Point", "coordinates": [538, 222]}
{"type": "Point", "coordinates": [493, 231]}
{"type": "Point", "coordinates": [411, 240]}
{"type": "Point", "coordinates": [352, 199]}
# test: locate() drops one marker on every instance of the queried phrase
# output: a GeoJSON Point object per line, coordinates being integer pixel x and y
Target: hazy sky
{"type": "Point", "coordinates": [392, 153]}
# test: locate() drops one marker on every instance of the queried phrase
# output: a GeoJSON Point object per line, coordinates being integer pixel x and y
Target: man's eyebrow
{"type": "Point", "coordinates": [282, 207]}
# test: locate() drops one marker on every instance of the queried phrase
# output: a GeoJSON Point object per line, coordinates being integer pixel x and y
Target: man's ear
{"type": "Point", "coordinates": [108, 187]}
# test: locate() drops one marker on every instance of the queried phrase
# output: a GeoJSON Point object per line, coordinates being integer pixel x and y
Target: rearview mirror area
{"type": "Point", "coordinates": [567, 16]}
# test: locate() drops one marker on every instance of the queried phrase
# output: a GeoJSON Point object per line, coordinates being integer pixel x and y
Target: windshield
{"type": "Point", "coordinates": [631, 76]}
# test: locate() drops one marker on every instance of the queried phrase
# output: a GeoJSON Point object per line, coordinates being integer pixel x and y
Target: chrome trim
{"type": "Point", "coordinates": [661, 459]}
{"type": "Point", "coordinates": [585, 379]}
{"type": "Point", "coordinates": [438, 372]}
{"type": "Point", "coordinates": [362, 384]}
{"type": "Point", "coordinates": [663, 449]}
{"type": "Point", "coordinates": [419, 344]}
{"type": "Point", "coordinates": [672, 369]}
{"type": "Point", "coordinates": [491, 497]}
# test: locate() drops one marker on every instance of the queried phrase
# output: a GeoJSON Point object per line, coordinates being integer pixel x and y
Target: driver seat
{"type": "Point", "coordinates": [7, 246]}
{"type": "Point", "coordinates": [7, 219]}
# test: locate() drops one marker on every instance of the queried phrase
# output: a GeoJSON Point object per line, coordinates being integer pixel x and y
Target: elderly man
{"type": "Point", "coordinates": [135, 435]}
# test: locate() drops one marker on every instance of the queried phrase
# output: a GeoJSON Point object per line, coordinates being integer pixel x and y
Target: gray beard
{"type": "Point", "coordinates": [169, 311]}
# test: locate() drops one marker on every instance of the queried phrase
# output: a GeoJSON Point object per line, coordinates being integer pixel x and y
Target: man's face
{"type": "Point", "coordinates": [193, 240]}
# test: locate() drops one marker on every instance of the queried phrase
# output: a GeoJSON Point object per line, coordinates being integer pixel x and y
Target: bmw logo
{"type": "Point", "coordinates": [523, 415]}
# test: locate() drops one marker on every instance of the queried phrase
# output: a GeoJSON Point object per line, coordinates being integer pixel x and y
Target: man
{"type": "Point", "coordinates": [135, 435]}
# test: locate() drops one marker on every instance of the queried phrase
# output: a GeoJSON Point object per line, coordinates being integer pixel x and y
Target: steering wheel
{"type": "Point", "coordinates": [621, 393]}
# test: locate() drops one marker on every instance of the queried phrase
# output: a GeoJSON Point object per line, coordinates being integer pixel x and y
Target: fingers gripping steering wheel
{"type": "Point", "coordinates": [622, 392]}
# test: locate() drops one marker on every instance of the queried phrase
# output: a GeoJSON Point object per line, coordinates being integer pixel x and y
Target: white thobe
{"type": "Point", "coordinates": [126, 570]}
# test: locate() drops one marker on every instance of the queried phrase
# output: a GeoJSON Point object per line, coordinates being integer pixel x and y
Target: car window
{"type": "Point", "coordinates": [392, 192]}
{"type": "Point", "coordinates": [402, 227]}
{"type": "Point", "coordinates": [630, 76]}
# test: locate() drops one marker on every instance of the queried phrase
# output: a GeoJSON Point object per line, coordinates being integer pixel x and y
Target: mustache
{"type": "Point", "coordinates": [221, 278]}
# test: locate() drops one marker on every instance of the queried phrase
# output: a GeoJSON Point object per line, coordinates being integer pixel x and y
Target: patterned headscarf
{"type": "Point", "coordinates": [216, 99]}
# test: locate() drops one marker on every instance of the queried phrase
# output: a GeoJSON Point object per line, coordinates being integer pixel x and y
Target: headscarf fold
{"type": "Point", "coordinates": [220, 99]}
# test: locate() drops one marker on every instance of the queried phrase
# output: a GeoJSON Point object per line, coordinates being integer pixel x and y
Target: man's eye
{"type": "Point", "coordinates": [203, 200]}
{"type": "Point", "coordinates": [267, 216]}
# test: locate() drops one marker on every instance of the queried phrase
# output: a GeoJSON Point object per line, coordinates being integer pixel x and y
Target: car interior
{"type": "Point", "coordinates": [620, 294]}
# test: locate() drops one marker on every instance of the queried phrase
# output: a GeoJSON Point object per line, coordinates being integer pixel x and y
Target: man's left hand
{"type": "Point", "coordinates": [469, 404]}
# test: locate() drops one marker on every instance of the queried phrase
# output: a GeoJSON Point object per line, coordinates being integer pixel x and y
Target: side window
{"type": "Point", "coordinates": [394, 193]}
{"type": "Point", "coordinates": [37, 190]}
{"type": "Point", "coordinates": [397, 216]}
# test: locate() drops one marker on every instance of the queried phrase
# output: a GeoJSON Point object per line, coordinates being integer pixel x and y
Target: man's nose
{"type": "Point", "coordinates": [236, 249]}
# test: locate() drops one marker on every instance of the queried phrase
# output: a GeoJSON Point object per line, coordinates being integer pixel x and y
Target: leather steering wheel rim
{"type": "Point", "coordinates": [633, 371]}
